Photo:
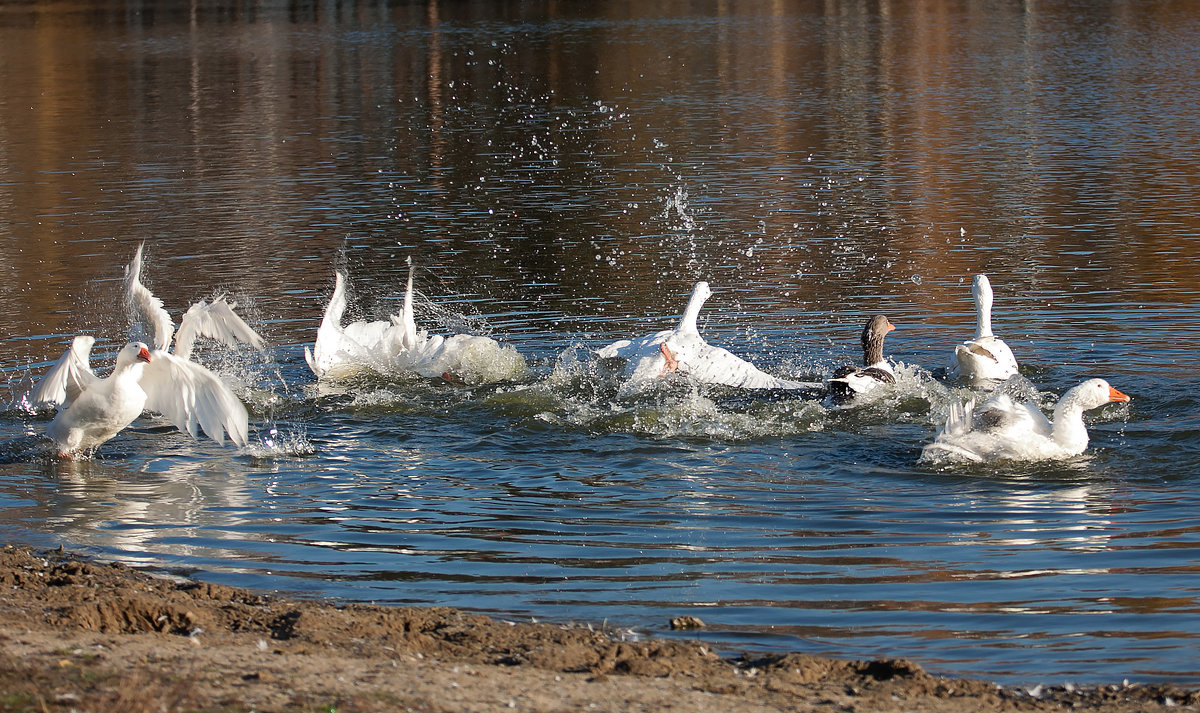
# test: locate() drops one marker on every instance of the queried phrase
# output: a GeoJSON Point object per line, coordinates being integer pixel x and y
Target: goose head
{"type": "Point", "coordinates": [1091, 394]}
{"type": "Point", "coordinates": [133, 353]}
{"type": "Point", "coordinates": [700, 293]}
{"type": "Point", "coordinates": [1069, 431]}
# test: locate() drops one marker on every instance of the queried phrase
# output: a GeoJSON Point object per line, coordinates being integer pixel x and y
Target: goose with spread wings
{"type": "Point", "coordinates": [395, 346]}
{"type": "Point", "coordinates": [93, 409]}
{"type": "Point", "coordinates": [147, 377]}
{"type": "Point", "coordinates": [683, 351]}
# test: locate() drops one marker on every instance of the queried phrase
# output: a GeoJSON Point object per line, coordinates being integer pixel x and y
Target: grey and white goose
{"type": "Point", "coordinates": [850, 381]}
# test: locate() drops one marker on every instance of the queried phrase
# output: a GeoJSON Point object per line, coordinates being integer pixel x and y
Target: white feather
{"type": "Point", "coordinates": [147, 308]}
{"type": "Point", "coordinates": [215, 320]}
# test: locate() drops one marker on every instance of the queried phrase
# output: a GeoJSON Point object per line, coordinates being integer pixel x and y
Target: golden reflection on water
{"type": "Point", "coordinates": [823, 157]}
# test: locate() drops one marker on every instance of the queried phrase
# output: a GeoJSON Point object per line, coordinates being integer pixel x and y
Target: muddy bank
{"type": "Point", "coordinates": [77, 635]}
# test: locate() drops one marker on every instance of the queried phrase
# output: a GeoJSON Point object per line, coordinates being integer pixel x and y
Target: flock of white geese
{"type": "Point", "coordinates": [155, 373]}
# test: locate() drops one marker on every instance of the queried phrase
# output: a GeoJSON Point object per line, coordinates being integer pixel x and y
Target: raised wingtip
{"type": "Point", "coordinates": [134, 269]}
{"type": "Point", "coordinates": [312, 361]}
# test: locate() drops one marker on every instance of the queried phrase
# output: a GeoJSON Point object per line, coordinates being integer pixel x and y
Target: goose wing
{"type": "Point", "coordinates": [985, 358]}
{"type": "Point", "coordinates": [630, 349]}
{"type": "Point", "coordinates": [999, 428]}
{"type": "Point", "coordinates": [408, 324]}
{"type": "Point", "coordinates": [709, 364]}
{"type": "Point", "coordinates": [215, 320]}
{"type": "Point", "coordinates": [70, 376]}
{"type": "Point", "coordinates": [148, 310]}
{"type": "Point", "coordinates": [1002, 416]}
{"type": "Point", "coordinates": [190, 396]}
{"type": "Point", "coordinates": [336, 345]}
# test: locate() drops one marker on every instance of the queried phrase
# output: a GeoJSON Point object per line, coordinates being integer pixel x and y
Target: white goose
{"type": "Point", "coordinates": [343, 351]}
{"type": "Point", "coordinates": [94, 409]}
{"type": "Point", "coordinates": [684, 351]}
{"type": "Point", "coordinates": [985, 358]}
{"type": "Point", "coordinates": [1001, 429]}
{"type": "Point", "coordinates": [850, 381]}
{"type": "Point", "coordinates": [396, 346]}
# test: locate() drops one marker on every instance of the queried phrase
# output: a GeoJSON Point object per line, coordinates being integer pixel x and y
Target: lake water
{"type": "Point", "coordinates": [563, 173]}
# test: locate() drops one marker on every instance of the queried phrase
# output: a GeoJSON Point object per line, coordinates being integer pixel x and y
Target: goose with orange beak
{"type": "Point", "coordinates": [1001, 429]}
{"type": "Point", "coordinates": [93, 409]}
{"type": "Point", "coordinates": [849, 382]}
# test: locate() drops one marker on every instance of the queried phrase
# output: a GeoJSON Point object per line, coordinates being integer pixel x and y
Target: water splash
{"type": "Point", "coordinates": [394, 348]}
{"type": "Point", "coordinates": [25, 449]}
{"type": "Point", "coordinates": [582, 393]}
{"type": "Point", "coordinates": [275, 444]}
{"type": "Point", "coordinates": [675, 210]}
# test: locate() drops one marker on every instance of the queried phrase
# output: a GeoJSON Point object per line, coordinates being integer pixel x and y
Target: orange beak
{"type": "Point", "coordinates": [144, 355]}
{"type": "Point", "coordinates": [890, 325]}
{"type": "Point", "coordinates": [1114, 395]}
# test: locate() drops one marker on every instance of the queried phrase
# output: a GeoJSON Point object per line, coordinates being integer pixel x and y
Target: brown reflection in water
{"type": "Point", "coordinates": [846, 143]}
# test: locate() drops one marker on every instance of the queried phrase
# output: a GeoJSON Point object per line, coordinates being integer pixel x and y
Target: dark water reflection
{"type": "Point", "coordinates": [563, 173]}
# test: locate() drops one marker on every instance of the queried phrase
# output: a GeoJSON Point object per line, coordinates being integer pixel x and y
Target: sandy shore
{"type": "Point", "coordinates": [78, 635]}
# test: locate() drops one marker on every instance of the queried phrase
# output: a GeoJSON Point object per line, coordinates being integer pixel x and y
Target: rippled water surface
{"type": "Point", "coordinates": [562, 174]}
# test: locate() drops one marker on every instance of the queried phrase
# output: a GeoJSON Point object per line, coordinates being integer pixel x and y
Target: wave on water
{"type": "Point", "coordinates": [917, 397]}
{"type": "Point", "coordinates": [585, 393]}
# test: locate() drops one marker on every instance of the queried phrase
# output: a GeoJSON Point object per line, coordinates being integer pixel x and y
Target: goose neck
{"type": "Point", "coordinates": [1068, 428]}
{"type": "Point", "coordinates": [872, 349]}
{"type": "Point", "coordinates": [873, 335]}
{"type": "Point", "coordinates": [983, 315]}
{"type": "Point", "coordinates": [688, 322]}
